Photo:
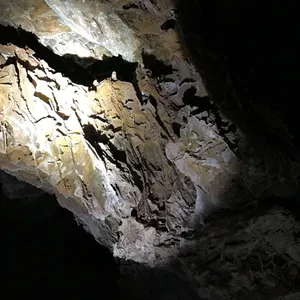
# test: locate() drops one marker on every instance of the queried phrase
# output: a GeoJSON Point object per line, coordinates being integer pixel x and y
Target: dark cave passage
{"type": "Point", "coordinates": [46, 254]}
{"type": "Point", "coordinates": [247, 53]}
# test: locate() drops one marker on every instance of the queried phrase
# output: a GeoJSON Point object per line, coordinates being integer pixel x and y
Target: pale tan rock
{"type": "Point", "coordinates": [115, 161]}
{"type": "Point", "coordinates": [105, 27]}
{"type": "Point", "coordinates": [99, 151]}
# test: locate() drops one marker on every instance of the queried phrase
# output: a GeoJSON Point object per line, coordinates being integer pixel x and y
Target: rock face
{"type": "Point", "coordinates": [96, 28]}
{"type": "Point", "coordinates": [113, 160]}
{"type": "Point", "coordinates": [142, 164]}
{"type": "Point", "coordinates": [248, 254]}
{"type": "Point", "coordinates": [101, 152]}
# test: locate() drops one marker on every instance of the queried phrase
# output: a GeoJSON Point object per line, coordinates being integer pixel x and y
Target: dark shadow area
{"type": "Point", "coordinates": [67, 64]}
{"type": "Point", "coordinates": [130, 6]}
{"type": "Point", "coordinates": [140, 282]}
{"type": "Point", "coordinates": [292, 204]}
{"type": "Point", "coordinates": [46, 254]}
{"type": "Point", "coordinates": [103, 69]}
{"type": "Point", "coordinates": [247, 54]}
{"type": "Point", "coordinates": [169, 24]}
{"type": "Point", "coordinates": [221, 256]}
{"type": "Point", "coordinates": [201, 103]}
{"type": "Point", "coordinates": [157, 67]}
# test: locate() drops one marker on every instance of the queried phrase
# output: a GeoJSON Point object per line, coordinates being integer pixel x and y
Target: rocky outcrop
{"type": "Point", "coordinates": [98, 28]}
{"type": "Point", "coordinates": [117, 161]}
{"type": "Point", "coordinates": [100, 151]}
{"type": "Point", "coordinates": [246, 254]}
{"type": "Point", "coordinates": [146, 163]}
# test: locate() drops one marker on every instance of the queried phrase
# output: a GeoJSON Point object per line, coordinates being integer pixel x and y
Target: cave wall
{"type": "Point", "coordinates": [98, 28]}
{"type": "Point", "coordinates": [115, 161]}
{"type": "Point", "coordinates": [146, 160]}
{"type": "Point", "coordinates": [142, 162]}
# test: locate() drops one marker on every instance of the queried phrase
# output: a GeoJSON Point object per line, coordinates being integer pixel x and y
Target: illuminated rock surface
{"type": "Point", "coordinates": [96, 28]}
{"type": "Point", "coordinates": [142, 156]}
{"type": "Point", "coordinates": [108, 157]}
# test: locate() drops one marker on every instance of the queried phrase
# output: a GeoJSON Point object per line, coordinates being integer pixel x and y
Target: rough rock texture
{"type": "Point", "coordinates": [115, 161]}
{"type": "Point", "coordinates": [142, 164]}
{"type": "Point", "coordinates": [252, 253]}
{"type": "Point", "coordinates": [96, 28]}
{"type": "Point", "coordinates": [100, 151]}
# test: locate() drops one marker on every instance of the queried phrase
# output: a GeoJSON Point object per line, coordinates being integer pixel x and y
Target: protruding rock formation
{"type": "Point", "coordinates": [143, 161]}
{"type": "Point", "coordinates": [113, 161]}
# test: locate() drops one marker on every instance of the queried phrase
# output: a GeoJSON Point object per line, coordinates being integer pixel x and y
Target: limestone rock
{"type": "Point", "coordinates": [97, 28]}
{"type": "Point", "coordinates": [246, 254]}
{"type": "Point", "coordinates": [114, 159]}
{"type": "Point", "coordinates": [144, 164]}
{"type": "Point", "coordinates": [101, 152]}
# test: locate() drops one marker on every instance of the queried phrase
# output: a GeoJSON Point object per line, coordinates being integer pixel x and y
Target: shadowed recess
{"type": "Point", "coordinates": [44, 250]}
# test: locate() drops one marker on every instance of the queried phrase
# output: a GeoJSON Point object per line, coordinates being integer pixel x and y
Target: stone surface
{"type": "Point", "coordinates": [252, 253]}
{"type": "Point", "coordinates": [100, 152]}
{"type": "Point", "coordinates": [143, 164]}
{"type": "Point", "coordinates": [96, 28]}
{"type": "Point", "coordinates": [116, 161]}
